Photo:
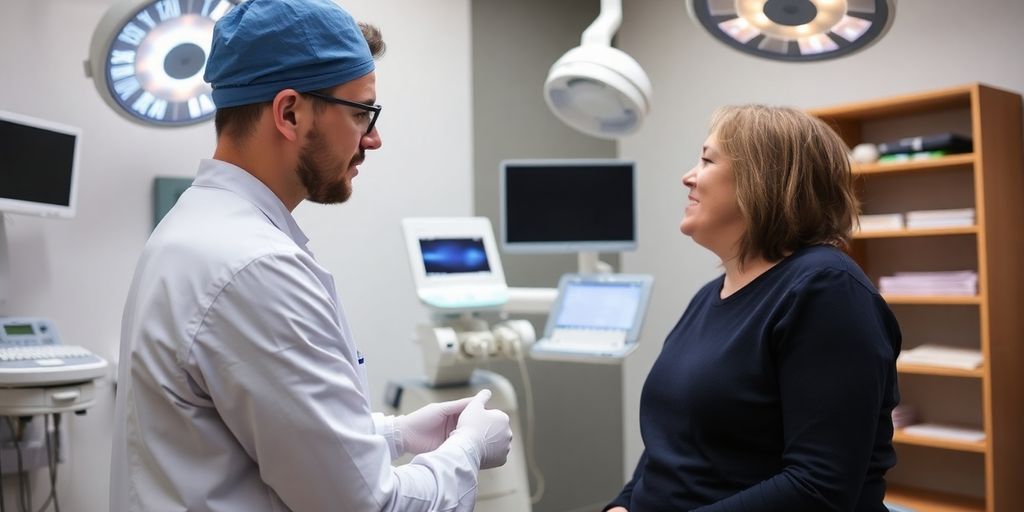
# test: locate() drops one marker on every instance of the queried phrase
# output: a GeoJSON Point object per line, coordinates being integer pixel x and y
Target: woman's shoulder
{"type": "Point", "coordinates": [825, 263]}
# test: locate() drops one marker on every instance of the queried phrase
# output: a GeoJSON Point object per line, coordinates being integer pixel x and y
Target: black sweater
{"type": "Point", "coordinates": [777, 398]}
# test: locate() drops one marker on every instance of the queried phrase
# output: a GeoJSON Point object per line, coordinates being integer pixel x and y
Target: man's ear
{"type": "Point", "coordinates": [286, 117]}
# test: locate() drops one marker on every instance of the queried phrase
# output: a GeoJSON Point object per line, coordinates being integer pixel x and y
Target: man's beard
{"type": "Point", "coordinates": [316, 169]}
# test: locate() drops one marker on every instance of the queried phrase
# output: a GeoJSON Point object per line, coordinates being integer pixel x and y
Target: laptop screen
{"type": "Point", "coordinates": [595, 305]}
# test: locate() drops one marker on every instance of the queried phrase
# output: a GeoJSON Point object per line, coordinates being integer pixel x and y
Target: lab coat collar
{"type": "Point", "coordinates": [219, 174]}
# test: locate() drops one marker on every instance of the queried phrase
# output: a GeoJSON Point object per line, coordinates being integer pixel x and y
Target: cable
{"type": "Point", "coordinates": [56, 459]}
{"type": "Point", "coordinates": [3, 507]}
{"type": "Point", "coordinates": [51, 463]}
{"type": "Point", "coordinates": [17, 431]}
{"type": "Point", "coordinates": [531, 460]}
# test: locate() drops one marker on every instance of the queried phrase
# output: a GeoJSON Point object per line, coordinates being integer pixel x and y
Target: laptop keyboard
{"type": "Point", "coordinates": [587, 339]}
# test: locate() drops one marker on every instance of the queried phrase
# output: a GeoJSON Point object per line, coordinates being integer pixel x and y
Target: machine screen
{"type": "Point", "coordinates": [18, 329]}
{"type": "Point", "coordinates": [454, 256]}
{"type": "Point", "coordinates": [600, 305]}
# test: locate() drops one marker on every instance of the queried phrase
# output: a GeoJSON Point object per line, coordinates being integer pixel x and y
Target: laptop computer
{"type": "Point", "coordinates": [595, 318]}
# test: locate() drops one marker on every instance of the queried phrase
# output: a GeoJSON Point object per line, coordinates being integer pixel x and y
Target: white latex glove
{"type": "Point", "coordinates": [489, 429]}
{"type": "Point", "coordinates": [424, 429]}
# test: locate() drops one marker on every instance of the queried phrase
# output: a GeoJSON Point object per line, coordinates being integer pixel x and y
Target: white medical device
{"type": "Point", "coordinates": [596, 318]}
{"type": "Point", "coordinates": [458, 274]}
{"type": "Point", "coordinates": [455, 263]}
{"type": "Point", "coordinates": [31, 354]}
{"type": "Point", "coordinates": [39, 374]}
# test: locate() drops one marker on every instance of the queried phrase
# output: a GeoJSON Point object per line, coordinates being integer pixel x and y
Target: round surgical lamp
{"type": "Point", "coordinates": [795, 30]}
{"type": "Point", "coordinates": [147, 59]}
{"type": "Point", "coordinates": [597, 89]}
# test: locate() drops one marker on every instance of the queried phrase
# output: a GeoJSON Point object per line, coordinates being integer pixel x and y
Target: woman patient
{"type": "Point", "coordinates": [774, 390]}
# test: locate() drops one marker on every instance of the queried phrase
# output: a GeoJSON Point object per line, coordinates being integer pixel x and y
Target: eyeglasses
{"type": "Point", "coordinates": [374, 110]}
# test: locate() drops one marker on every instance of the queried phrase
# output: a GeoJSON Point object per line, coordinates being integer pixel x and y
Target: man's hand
{"type": "Point", "coordinates": [617, 509]}
{"type": "Point", "coordinates": [426, 428]}
{"type": "Point", "coordinates": [488, 428]}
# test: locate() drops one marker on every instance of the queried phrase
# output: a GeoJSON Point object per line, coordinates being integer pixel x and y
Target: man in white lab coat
{"type": "Point", "coordinates": [240, 386]}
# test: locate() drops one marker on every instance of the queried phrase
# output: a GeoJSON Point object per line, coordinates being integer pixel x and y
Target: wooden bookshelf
{"type": "Point", "coordinates": [991, 180]}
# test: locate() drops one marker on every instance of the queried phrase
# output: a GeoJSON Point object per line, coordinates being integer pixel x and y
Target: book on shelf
{"type": "Point", "coordinates": [961, 282]}
{"type": "Point", "coordinates": [881, 222]}
{"type": "Point", "coordinates": [947, 432]}
{"type": "Point", "coordinates": [904, 415]}
{"type": "Point", "coordinates": [940, 218]}
{"type": "Point", "coordinates": [948, 141]}
{"type": "Point", "coordinates": [895, 158]}
{"type": "Point", "coordinates": [941, 356]}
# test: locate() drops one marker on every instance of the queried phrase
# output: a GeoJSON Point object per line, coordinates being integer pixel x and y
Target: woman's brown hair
{"type": "Point", "coordinates": [793, 179]}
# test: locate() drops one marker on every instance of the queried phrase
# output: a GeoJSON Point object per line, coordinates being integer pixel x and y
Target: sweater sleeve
{"type": "Point", "coordinates": [834, 345]}
{"type": "Point", "coordinates": [625, 496]}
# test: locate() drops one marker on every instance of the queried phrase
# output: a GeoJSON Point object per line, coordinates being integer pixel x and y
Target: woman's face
{"type": "Point", "coordinates": [712, 217]}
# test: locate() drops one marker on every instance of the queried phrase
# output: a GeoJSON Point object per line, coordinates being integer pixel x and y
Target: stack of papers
{"type": "Point", "coordinates": [881, 222]}
{"type": "Point", "coordinates": [940, 218]}
{"type": "Point", "coordinates": [946, 432]}
{"type": "Point", "coordinates": [964, 282]}
{"type": "Point", "coordinates": [946, 357]}
{"type": "Point", "coordinates": [903, 416]}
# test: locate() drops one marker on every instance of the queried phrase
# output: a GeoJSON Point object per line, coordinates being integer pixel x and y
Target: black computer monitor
{"type": "Point", "coordinates": [38, 166]}
{"type": "Point", "coordinates": [566, 206]}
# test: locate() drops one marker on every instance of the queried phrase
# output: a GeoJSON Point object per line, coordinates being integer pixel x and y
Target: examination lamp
{"type": "Point", "coordinates": [795, 30]}
{"type": "Point", "coordinates": [597, 89]}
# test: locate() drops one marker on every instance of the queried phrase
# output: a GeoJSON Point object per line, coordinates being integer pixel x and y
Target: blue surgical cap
{"type": "Point", "coordinates": [264, 46]}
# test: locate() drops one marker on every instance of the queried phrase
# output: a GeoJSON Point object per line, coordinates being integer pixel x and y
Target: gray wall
{"type": "Point", "coordinates": [930, 45]}
{"type": "Point", "coordinates": [578, 406]}
{"type": "Point", "coordinates": [76, 272]}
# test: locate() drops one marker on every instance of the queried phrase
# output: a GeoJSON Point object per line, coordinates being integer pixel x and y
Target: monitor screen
{"type": "Point", "coordinates": [568, 205]}
{"type": "Point", "coordinates": [454, 263]}
{"type": "Point", "coordinates": [599, 305]}
{"type": "Point", "coordinates": [38, 162]}
{"type": "Point", "coordinates": [453, 256]}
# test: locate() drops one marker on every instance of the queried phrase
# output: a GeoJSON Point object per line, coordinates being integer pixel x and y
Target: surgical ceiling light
{"type": "Point", "coordinates": [597, 89]}
{"type": "Point", "coordinates": [795, 30]}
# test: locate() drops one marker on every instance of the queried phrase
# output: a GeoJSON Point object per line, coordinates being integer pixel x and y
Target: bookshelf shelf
{"type": "Point", "coordinates": [952, 300]}
{"type": "Point", "coordinates": [929, 501]}
{"type": "Point", "coordinates": [920, 369]}
{"type": "Point", "coordinates": [932, 164]}
{"type": "Point", "coordinates": [902, 233]}
{"type": "Point", "coordinates": [935, 442]}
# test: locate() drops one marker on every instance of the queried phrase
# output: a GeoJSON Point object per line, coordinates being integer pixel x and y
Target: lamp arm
{"type": "Point", "coordinates": [604, 27]}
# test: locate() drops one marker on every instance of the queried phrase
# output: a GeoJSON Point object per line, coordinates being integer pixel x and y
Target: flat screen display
{"type": "Point", "coordinates": [37, 166]}
{"type": "Point", "coordinates": [568, 206]}
{"type": "Point", "coordinates": [453, 256]}
{"type": "Point", "coordinates": [599, 305]}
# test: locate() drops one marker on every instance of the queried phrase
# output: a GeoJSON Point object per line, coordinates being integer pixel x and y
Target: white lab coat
{"type": "Point", "coordinates": [240, 387]}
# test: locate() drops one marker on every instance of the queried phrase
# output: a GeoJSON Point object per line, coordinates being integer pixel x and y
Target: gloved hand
{"type": "Point", "coordinates": [424, 429]}
{"type": "Point", "coordinates": [489, 429]}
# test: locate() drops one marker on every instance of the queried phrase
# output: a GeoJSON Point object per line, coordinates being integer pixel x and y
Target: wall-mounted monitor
{"type": "Point", "coordinates": [38, 166]}
{"type": "Point", "coordinates": [566, 206]}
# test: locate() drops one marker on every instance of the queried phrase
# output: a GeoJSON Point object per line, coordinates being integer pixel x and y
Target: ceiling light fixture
{"type": "Point", "coordinates": [795, 30]}
{"type": "Point", "coordinates": [597, 89]}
